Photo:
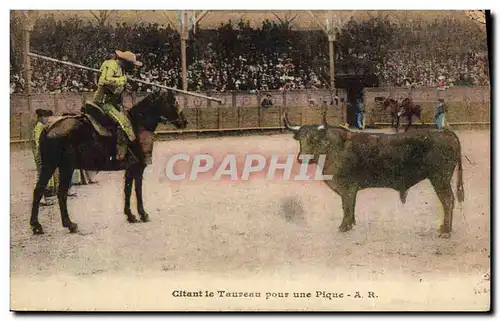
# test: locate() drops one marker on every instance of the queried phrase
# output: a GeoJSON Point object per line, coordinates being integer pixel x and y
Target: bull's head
{"type": "Point", "coordinates": [312, 138]}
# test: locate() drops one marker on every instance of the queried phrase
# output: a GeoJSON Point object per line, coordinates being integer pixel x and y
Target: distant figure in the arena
{"type": "Point", "coordinates": [439, 116]}
{"type": "Point", "coordinates": [335, 100]}
{"type": "Point", "coordinates": [360, 115]}
{"type": "Point", "coordinates": [51, 190]}
{"type": "Point", "coordinates": [400, 105]}
{"type": "Point", "coordinates": [41, 119]}
{"type": "Point", "coordinates": [267, 102]}
{"type": "Point", "coordinates": [108, 95]}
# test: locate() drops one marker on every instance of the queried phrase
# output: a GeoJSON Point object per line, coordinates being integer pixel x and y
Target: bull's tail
{"type": "Point", "coordinates": [460, 181]}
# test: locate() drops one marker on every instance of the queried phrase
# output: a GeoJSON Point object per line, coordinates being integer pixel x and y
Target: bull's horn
{"type": "Point", "coordinates": [321, 127]}
{"type": "Point", "coordinates": [287, 123]}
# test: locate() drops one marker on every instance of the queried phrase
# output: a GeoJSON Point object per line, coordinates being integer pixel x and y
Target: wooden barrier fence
{"type": "Point", "coordinates": [242, 111]}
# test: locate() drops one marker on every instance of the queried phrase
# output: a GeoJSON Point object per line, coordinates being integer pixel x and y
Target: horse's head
{"type": "Point", "coordinates": [167, 110]}
{"type": "Point", "coordinates": [406, 101]}
{"type": "Point", "coordinates": [383, 101]}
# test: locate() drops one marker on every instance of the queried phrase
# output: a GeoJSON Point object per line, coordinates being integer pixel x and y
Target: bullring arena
{"type": "Point", "coordinates": [251, 236]}
{"type": "Point", "coordinates": [257, 244]}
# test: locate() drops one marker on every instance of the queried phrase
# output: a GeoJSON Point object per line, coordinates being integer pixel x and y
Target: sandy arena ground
{"type": "Point", "coordinates": [256, 236]}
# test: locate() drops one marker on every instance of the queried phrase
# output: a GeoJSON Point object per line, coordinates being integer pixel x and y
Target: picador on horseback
{"type": "Point", "coordinates": [109, 96]}
{"type": "Point", "coordinates": [92, 139]}
{"type": "Point", "coordinates": [404, 107]}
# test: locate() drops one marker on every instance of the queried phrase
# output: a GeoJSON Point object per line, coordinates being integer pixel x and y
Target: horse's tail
{"type": "Point", "coordinates": [56, 136]}
{"type": "Point", "coordinates": [46, 148]}
{"type": "Point", "coordinates": [417, 110]}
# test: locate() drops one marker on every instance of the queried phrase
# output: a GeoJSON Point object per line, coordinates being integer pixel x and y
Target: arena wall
{"type": "Point", "coordinates": [241, 110]}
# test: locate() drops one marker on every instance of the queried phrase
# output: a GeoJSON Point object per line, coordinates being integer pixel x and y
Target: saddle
{"type": "Point", "coordinates": [106, 127]}
{"type": "Point", "coordinates": [102, 123]}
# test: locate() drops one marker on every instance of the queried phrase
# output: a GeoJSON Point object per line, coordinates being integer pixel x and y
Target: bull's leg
{"type": "Point", "coordinates": [138, 175]}
{"type": "Point", "coordinates": [348, 206]}
{"type": "Point", "coordinates": [129, 179]}
{"type": "Point", "coordinates": [397, 124]}
{"type": "Point", "coordinates": [65, 174]}
{"type": "Point", "coordinates": [45, 174]}
{"type": "Point", "coordinates": [445, 195]}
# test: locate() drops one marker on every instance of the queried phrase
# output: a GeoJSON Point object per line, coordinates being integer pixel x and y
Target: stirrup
{"type": "Point", "coordinates": [117, 156]}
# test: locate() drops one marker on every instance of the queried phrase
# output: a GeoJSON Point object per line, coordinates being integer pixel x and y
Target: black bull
{"type": "Point", "coordinates": [359, 160]}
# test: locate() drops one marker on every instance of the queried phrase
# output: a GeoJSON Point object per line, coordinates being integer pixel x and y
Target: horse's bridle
{"type": "Point", "coordinates": [165, 120]}
{"type": "Point", "coordinates": [384, 102]}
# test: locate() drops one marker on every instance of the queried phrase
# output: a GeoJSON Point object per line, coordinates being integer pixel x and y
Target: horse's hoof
{"type": "Point", "coordinates": [73, 228]}
{"type": "Point", "coordinates": [345, 227]}
{"type": "Point", "coordinates": [47, 203]}
{"type": "Point", "coordinates": [132, 219]}
{"type": "Point", "coordinates": [444, 235]}
{"type": "Point", "coordinates": [444, 232]}
{"type": "Point", "coordinates": [145, 217]}
{"type": "Point", "coordinates": [38, 230]}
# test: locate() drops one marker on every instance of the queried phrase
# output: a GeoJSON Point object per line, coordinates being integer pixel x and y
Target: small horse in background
{"type": "Point", "coordinates": [406, 109]}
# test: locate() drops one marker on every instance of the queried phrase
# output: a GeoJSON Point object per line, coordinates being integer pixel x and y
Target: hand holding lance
{"type": "Point", "coordinates": [129, 78]}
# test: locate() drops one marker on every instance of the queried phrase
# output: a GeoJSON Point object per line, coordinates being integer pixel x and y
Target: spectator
{"type": "Point", "coordinates": [360, 115]}
{"type": "Point", "coordinates": [267, 102]}
{"type": "Point", "coordinates": [271, 58]}
{"type": "Point", "coordinates": [439, 116]}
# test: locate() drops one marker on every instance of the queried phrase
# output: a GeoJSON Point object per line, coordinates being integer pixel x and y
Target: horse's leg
{"type": "Point", "coordinates": [138, 175]}
{"type": "Point", "coordinates": [129, 179]}
{"type": "Point", "coordinates": [409, 123]}
{"type": "Point", "coordinates": [420, 118]}
{"type": "Point", "coordinates": [65, 173]}
{"type": "Point", "coordinates": [46, 173]}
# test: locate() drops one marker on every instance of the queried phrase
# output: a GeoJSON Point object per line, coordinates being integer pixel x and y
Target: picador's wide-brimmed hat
{"type": "Point", "coordinates": [128, 56]}
{"type": "Point", "coordinates": [44, 112]}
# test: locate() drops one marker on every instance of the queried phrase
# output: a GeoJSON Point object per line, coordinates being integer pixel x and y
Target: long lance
{"type": "Point", "coordinates": [129, 78]}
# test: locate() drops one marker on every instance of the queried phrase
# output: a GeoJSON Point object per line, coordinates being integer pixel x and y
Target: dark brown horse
{"type": "Point", "coordinates": [89, 142]}
{"type": "Point", "coordinates": [404, 109]}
